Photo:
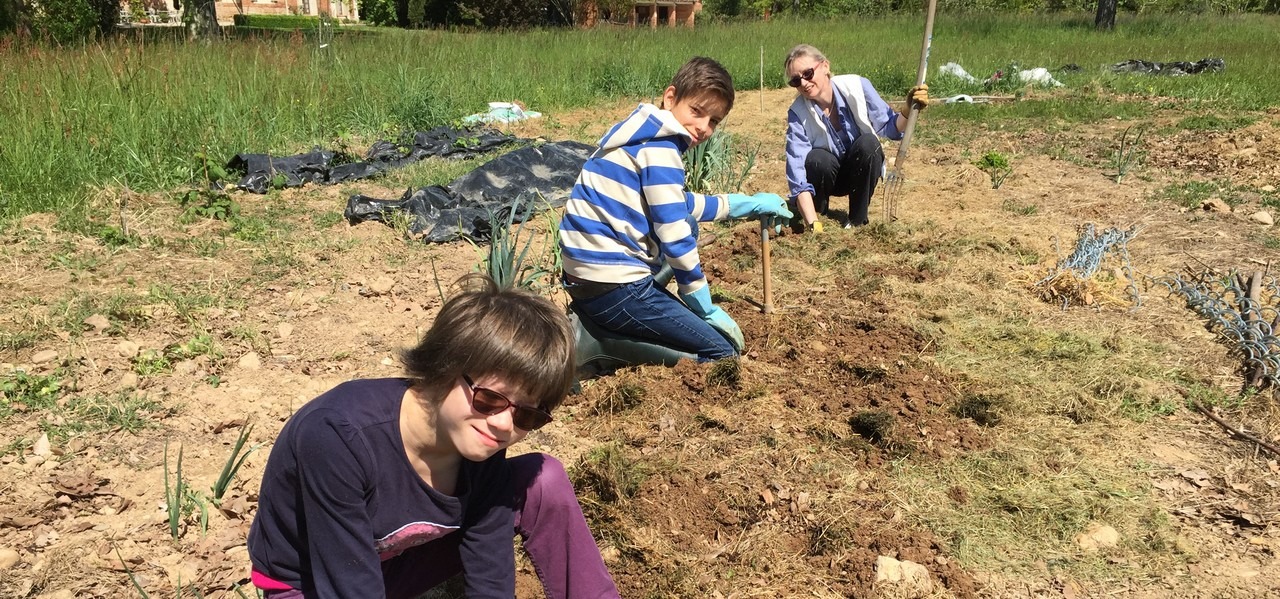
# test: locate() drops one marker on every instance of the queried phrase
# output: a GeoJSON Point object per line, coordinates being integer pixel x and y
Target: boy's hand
{"type": "Point", "coordinates": [770, 207]}
{"type": "Point", "coordinates": [699, 303]}
{"type": "Point", "coordinates": [720, 321]}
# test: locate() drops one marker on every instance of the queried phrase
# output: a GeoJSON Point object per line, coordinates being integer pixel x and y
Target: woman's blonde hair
{"type": "Point", "coordinates": [486, 330]}
{"type": "Point", "coordinates": [802, 50]}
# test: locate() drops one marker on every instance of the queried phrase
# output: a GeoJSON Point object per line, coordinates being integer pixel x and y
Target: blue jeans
{"type": "Point", "coordinates": [643, 310]}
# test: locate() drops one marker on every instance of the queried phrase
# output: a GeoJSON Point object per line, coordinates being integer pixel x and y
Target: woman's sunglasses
{"type": "Point", "coordinates": [806, 74]}
{"type": "Point", "coordinates": [489, 402]}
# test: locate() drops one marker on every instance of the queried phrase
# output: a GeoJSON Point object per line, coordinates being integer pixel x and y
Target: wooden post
{"type": "Point", "coordinates": [765, 261]}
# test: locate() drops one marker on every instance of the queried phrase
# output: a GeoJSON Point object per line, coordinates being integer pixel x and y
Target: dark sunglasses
{"type": "Point", "coordinates": [806, 74]}
{"type": "Point", "coordinates": [489, 402]}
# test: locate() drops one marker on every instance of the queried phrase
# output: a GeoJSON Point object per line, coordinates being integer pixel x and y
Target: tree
{"type": "Point", "coordinates": [1106, 18]}
{"type": "Point", "coordinates": [201, 17]}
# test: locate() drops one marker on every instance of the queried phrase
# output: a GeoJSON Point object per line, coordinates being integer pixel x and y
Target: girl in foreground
{"type": "Point", "coordinates": [389, 487]}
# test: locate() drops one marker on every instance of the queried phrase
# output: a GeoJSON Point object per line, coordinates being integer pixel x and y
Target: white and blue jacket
{"type": "Point", "coordinates": [629, 211]}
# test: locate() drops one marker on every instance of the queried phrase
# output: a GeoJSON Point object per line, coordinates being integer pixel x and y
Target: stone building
{"type": "Point", "coordinates": [653, 13]}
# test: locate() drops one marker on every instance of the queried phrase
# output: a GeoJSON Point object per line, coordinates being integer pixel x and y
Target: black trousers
{"type": "Point", "coordinates": [855, 175]}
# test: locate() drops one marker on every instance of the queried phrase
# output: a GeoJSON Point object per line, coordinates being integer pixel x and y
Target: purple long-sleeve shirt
{"type": "Point", "coordinates": [339, 497]}
{"type": "Point", "coordinates": [883, 121]}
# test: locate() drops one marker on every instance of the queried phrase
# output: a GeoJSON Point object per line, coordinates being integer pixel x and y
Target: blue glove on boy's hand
{"type": "Point", "coordinates": [770, 207]}
{"type": "Point", "coordinates": [699, 303]}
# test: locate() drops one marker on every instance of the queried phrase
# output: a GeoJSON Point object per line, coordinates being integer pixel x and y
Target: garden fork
{"type": "Point", "coordinates": [893, 179]}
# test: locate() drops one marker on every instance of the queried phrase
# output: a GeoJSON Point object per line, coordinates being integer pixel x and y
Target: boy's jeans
{"type": "Point", "coordinates": [645, 311]}
{"type": "Point", "coordinates": [548, 518]}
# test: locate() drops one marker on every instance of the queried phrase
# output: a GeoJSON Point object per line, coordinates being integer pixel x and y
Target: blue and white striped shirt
{"type": "Point", "coordinates": [629, 211]}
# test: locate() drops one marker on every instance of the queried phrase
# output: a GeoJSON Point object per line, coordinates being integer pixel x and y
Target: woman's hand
{"type": "Point", "coordinates": [918, 97]}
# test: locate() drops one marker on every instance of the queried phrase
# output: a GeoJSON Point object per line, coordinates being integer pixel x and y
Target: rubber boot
{"type": "Point", "coordinates": [601, 352]}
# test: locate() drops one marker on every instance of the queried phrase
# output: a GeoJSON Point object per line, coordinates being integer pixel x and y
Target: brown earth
{"type": "Point", "coordinates": [774, 479]}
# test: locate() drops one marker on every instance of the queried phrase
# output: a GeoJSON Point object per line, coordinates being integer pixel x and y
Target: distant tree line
{"type": "Point", "coordinates": [70, 20]}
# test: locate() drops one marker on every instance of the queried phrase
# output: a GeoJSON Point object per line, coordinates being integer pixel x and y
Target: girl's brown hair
{"type": "Point", "coordinates": [486, 330]}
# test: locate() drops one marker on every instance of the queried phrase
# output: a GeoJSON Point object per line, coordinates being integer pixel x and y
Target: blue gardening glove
{"type": "Point", "coordinates": [699, 303]}
{"type": "Point", "coordinates": [770, 207]}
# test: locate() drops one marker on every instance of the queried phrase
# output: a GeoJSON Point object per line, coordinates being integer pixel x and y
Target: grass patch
{"type": "Point", "coordinates": [1031, 503]}
{"type": "Point", "coordinates": [1213, 122]}
{"type": "Point", "coordinates": [1192, 194]}
{"type": "Point", "coordinates": [108, 110]}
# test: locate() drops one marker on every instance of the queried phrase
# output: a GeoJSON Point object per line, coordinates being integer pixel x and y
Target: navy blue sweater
{"type": "Point", "coordinates": [339, 497]}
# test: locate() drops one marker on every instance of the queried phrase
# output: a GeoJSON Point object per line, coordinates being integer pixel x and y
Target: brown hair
{"type": "Point", "coordinates": [802, 50]}
{"type": "Point", "coordinates": [703, 76]}
{"type": "Point", "coordinates": [486, 330]}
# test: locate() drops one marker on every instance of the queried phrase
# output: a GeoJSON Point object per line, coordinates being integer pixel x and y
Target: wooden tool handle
{"type": "Point", "coordinates": [920, 73]}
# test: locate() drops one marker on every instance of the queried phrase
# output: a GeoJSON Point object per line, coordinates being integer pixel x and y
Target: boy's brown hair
{"type": "Point", "coordinates": [703, 76]}
{"type": "Point", "coordinates": [487, 330]}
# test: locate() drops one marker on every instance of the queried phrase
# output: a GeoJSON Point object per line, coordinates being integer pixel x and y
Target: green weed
{"type": "Point", "coordinates": [175, 494]}
{"type": "Point", "coordinates": [206, 203]}
{"type": "Point", "coordinates": [726, 372]}
{"type": "Point", "coordinates": [1211, 122]}
{"type": "Point", "coordinates": [233, 464]}
{"type": "Point", "coordinates": [28, 392]}
{"type": "Point", "coordinates": [150, 362]}
{"type": "Point", "coordinates": [996, 166]}
{"type": "Point", "coordinates": [1192, 194]}
{"type": "Point", "coordinates": [606, 475]}
{"type": "Point", "coordinates": [1130, 153]}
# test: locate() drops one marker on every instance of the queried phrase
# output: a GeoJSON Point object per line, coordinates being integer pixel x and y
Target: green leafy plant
{"type": "Point", "coordinates": [209, 204]}
{"type": "Point", "coordinates": [234, 462]}
{"type": "Point", "coordinates": [997, 166]}
{"type": "Point", "coordinates": [174, 495]}
{"type": "Point", "coordinates": [1130, 152]}
{"type": "Point", "coordinates": [29, 392]}
{"type": "Point", "coordinates": [713, 165]}
{"type": "Point", "coordinates": [505, 261]}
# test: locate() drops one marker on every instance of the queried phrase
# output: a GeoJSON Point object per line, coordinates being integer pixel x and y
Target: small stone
{"type": "Point", "coordinates": [127, 349]}
{"type": "Point", "coordinates": [41, 357]}
{"type": "Point", "coordinates": [8, 558]}
{"type": "Point", "coordinates": [186, 367]}
{"type": "Point", "coordinates": [1097, 536]}
{"type": "Point", "coordinates": [129, 380]}
{"type": "Point", "coordinates": [284, 330]}
{"type": "Point", "coordinates": [98, 322]}
{"type": "Point", "coordinates": [908, 573]}
{"type": "Point", "coordinates": [1215, 204]}
{"type": "Point", "coordinates": [382, 285]}
{"type": "Point", "coordinates": [250, 361]}
{"type": "Point", "coordinates": [1262, 217]}
{"type": "Point", "coordinates": [41, 447]}
{"type": "Point", "coordinates": [1267, 189]}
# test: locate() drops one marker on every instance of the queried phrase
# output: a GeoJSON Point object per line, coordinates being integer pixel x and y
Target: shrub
{"type": "Point", "coordinates": [281, 21]}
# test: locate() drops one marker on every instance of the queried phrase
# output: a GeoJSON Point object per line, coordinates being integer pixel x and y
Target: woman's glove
{"type": "Point", "coordinates": [918, 97]}
{"type": "Point", "coordinates": [699, 303]}
{"type": "Point", "coordinates": [770, 207]}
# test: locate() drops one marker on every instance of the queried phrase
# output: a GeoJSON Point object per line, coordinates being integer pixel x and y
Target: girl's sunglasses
{"type": "Point", "coordinates": [806, 74]}
{"type": "Point", "coordinates": [489, 402]}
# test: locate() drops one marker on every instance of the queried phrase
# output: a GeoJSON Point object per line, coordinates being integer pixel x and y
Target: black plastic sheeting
{"type": "Point", "coordinates": [1207, 65]}
{"type": "Point", "coordinates": [527, 180]}
{"type": "Point", "coordinates": [317, 166]}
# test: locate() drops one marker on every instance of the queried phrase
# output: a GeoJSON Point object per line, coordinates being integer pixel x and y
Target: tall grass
{"type": "Point", "coordinates": [129, 112]}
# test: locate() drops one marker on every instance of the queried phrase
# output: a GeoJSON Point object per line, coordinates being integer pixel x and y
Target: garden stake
{"type": "Point", "coordinates": [894, 178]}
{"type": "Point", "coordinates": [765, 261]}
